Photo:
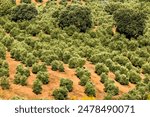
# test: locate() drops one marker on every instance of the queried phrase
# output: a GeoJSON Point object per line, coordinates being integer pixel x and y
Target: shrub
{"type": "Point", "coordinates": [137, 61]}
{"type": "Point", "coordinates": [146, 79]}
{"type": "Point", "coordinates": [104, 77]}
{"type": "Point", "coordinates": [20, 79]}
{"type": "Point", "coordinates": [122, 60]}
{"type": "Point", "coordinates": [23, 12]}
{"type": "Point", "coordinates": [61, 93]}
{"type": "Point", "coordinates": [18, 53]}
{"type": "Point", "coordinates": [49, 58]}
{"type": "Point", "coordinates": [15, 32]}
{"type": "Point", "coordinates": [133, 45]}
{"type": "Point", "coordinates": [43, 77]}
{"type": "Point", "coordinates": [78, 16]}
{"type": "Point", "coordinates": [134, 77]}
{"type": "Point", "coordinates": [102, 57]}
{"type": "Point", "coordinates": [100, 68]}
{"type": "Point", "coordinates": [135, 19]}
{"type": "Point", "coordinates": [37, 86]}
{"type": "Point", "coordinates": [4, 68]}
{"type": "Point", "coordinates": [84, 79]}
{"type": "Point", "coordinates": [9, 26]}
{"type": "Point", "coordinates": [7, 41]}
{"type": "Point", "coordinates": [67, 83]}
{"type": "Point", "coordinates": [4, 83]}
{"type": "Point", "coordinates": [111, 88]}
{"type": "Point", "coordinates": [61, 67]}
{"type": "Point", "coordinates": [66, 56]}
{"type": "Point", "coordinates": [82, 72]}
{"type": "Point", "coordinates": [22, 71]}
{"type": "Point", "coordinates": [90, 90]}
{"type": "Point", "coordinates": [4, 72]}
{"type": "Point", "coordinates": [30, 60]}
{"type": "Point", "coordinates": [57, 65]}
{"type": "Point", "coordinates": [2, 51]}
{"type": "Point", "coordinates": [70, 30]}
{"type": "Point", "coordinates": [129, 66]}
{"type": "Point", "coordinates": [121, 78]}
{"type": "Point", "coordinates": [146, 68]}
{"type": "Point", "coordinates": [33, 29]}
{"type": "Point", "coordinates": [5, 5]}
{"type": "Point", "coordinates": [75, 62]}
{"type": "Point", "coordinates": [39, 67]}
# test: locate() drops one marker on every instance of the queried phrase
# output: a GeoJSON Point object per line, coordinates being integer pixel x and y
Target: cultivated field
{"type": "Point", "coordinates": [75, 49]}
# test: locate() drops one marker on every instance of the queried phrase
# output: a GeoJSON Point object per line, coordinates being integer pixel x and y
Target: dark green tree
{"type": "Point", "coordinates": [23, 12]}
{"type": "Point", "coordinates": [130, 22]}
{"type": "Point", "coordinates": [78, 16]}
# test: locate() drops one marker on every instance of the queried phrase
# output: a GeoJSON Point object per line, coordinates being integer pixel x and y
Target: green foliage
{"type": "Point", "coordinates": [49, 58]}
{"type": "Point", "coordinates": [57, 65]}
{"type": "Point", "coordinates": [9, 26]}
{"type": "Point", "coordinates": [7, 41]}
{"type": "Point", "coordinates": [84, 79]}
{"type": "Point", "coordinates": [61, 93]}
{"type": "Point", "coordinates": [2, 51]}
{"type": "Point", "coordinates": [37, 86]}
{"type": "Point", "coordinates": [122, 60]}
{"type": "Point", "coordinates": [30, 59]}
{"type": "Point", "coordinates": [33, 29]}
{"type": "Point", "coordinates": [78, 16]}
{"type": "Point", "coordinates": [15, 31]}
{"type": "Point", "coordinates": [4, 68]}
{"type": "Point", "coordinates": [146, 68]}
{"type": "Point", "coordinates": [104, 77]}
{"type": "Point", "coordinates": [39, 67]}
{"type": "Point", "coordinates": [70, 30]}
{"type": "Point", "coordinates": [66, 83]}
{"type": "Point", "coordinates": [20, 79]}
{"type": "Point", "coordinates": [4, 83]}
{"type": "Point", "coordinates": [5, 5]}
{"type": "Point", "coordinates": [22, 71]}
{"type": "Point", "coordinates": [43, 77]}
{"type": "Point", "coordinates": [134, 77]}
{"type": "Point", "coordinates": [112, 7]}
{"type": "Point", "coordinates": [135, 19]}
{"type": "Point", "coordinates": [66, 56]}
{"type": "Point", "coordinates": [23, 12]}
{"type": "Point", "coordinates": [110, 88]}
{"type": "Point", "coordinates": [90, 89]}
{"type": "Point", "coordinates": [75, 62]}
{"type": "Point", "coordinates": [121, 78]}
{"type": "Point", "coordinates": [100, 68]}
{"type": "Point", "coordinates": [82, 72]}
{"type": "Point", "coordinates": [101, 57]}
{"type": "Point", "coordinates": [133, 45]}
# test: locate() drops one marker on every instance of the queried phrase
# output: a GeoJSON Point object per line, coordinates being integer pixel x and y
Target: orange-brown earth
{"type": "Point", "coordinates": [55, 76]}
